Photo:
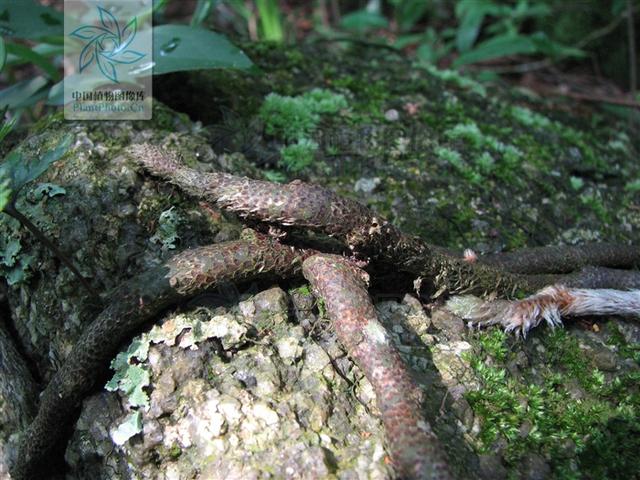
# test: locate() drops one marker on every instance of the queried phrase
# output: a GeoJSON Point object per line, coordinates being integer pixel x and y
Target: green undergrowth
{"type": "Point", "coordinates": [583, 421]}
{"type": "Point", "coordinates": [293, 120]}
{"type": "Point", "coordinates": [462, 163]}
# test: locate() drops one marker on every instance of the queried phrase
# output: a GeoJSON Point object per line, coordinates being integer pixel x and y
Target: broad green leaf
{"type": "Point", "coordinates": [403, 41]}
{"type": "Point", "coordinates": [524, 10]}
{"type": "Point", "coordinates": [496, 47]}
{"type": "Point", "coordinates": [363, 20]}
{"type": "Point", "coordinates": [43, 49]}
{"type": "Point", "coordinates": [29, 55]}
{"type": "Point", "coordinates": [471, 14]}
{"type": "Point", "coordinates": [78, 82]}
{"type": "Point", "coordinates": [29, 19]}
{"type": "Point", "coordinates": [24, 94]}
{"type": "Point", "coordinates": [469, 29]}
{"type": "Point", "coordinates": [409, 12]}
{"type": "Point", "coordinates": [180, 47]}
{"type": "Point", "coordinates": [20, 171]}
{"type": "Point", "coordinates": [553, 49]}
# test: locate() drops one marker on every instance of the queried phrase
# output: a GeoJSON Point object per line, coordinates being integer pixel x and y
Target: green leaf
{"type": "Point", "coordinates": [471, 14]}
{"type": "Point", "coordinates": [496, 47]}
{"type": "Point", "coordinates": [409, 12]}
{"type": "Point", "coordinates": [270, 22]}
{"type": "Point", "coordinates": [553, 49]}
{"type": "Point", "coordinates": [403, 41]}
{"type": "Point", "coordinates": [75, 82]}
{"type": "Point", "coordinates": [179, 47]}
{"type": "Point", "coordinates": [363, 20]}
{"type": "Point", "coordinates": [20, 171]}
{"type": "Point", "coordinates": [29, 19]}
{"type": "Point", "coordinates": [29, 55]}
{"type": "Point", "coordinates": [24, 94]}
{"type": "Point", "coordinates": [5, 193]}
{"type": "Point", "coordinates": [6, 127]}
{"type": "Point", "coordinates": [202, 11]}
{"type": "Point", "coordinates": [43, 49]}
{"type": "Point", "coordinates": [240, 8]}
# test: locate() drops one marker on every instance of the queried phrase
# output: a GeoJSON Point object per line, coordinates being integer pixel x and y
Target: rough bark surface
{"type": "Point", "coordinates": [343, 288]}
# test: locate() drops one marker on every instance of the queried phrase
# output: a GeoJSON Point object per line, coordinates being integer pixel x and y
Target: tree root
{"type": "Point", "coordinates": [549, 304]}
{"type": "Point", "coordinates": [338, 282]}
{"type": "Point", "coordinates": [370, 236]}
{"type": "Point", "coordinates": [563, 259]}
{"type": "Point", "coordinates": [17, 386]}
{"type": "Point", "coordinates": [343, 287]}
{"type": "Point", "coordinates": [136, 302]}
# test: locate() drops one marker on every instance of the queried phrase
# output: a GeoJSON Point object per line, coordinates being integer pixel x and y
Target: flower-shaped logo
{"type": "Point", "coordinates": [108, 44]}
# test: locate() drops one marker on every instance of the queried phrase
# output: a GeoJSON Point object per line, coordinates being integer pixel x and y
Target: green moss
{"type": "Point", "coordinates": [455, 78]}
{"type": "Point", "coordinates": [295, 118]}
{"type": "Point", "coordinates": [617, 340]}
{"type": "Point", "coordinates": [594, 202]}
{"type": "Point", "coordinates": [543, 415]}
{"type": "Point", "coordinates": [485, 163]}
{"type": "Point", "coordinates": [453, 158]}
{"type": "Point", "coordinates": [288, 118]}
{"type": "Point", "coordinates": [529, 118]}
{"type": "Point", "coordinates": [611, 453]}
{"type": "Point", "coordinates": [469, 132]}
{"type": "Point", "coordinates": [324, 102]}
{"type": "Point", "coordinates": [494, 343]}
{"type": "Point", "coordinates": [303, 290]}
{"type": "Point", "coordinates": [633, 186]}
{"type": "Point", "coordinates": [175, 451]}
{"type": "Point", "coordinates": [298, 156]}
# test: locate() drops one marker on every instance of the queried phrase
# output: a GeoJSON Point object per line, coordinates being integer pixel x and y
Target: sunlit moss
{"type": "Point", "coordinates": [578, 434]}
{"type": "Point", "coordinates": [298, 156]}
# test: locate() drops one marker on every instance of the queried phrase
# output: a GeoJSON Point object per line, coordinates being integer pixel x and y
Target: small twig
{"type": "Point", "coordinates": [442, 411]}
{"type": "Point", "coordinates": [11, 210]}
{"type": "Point", "coordinates": [522, 67]}
{"type": "Point", "coordinates": [593, 98]}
